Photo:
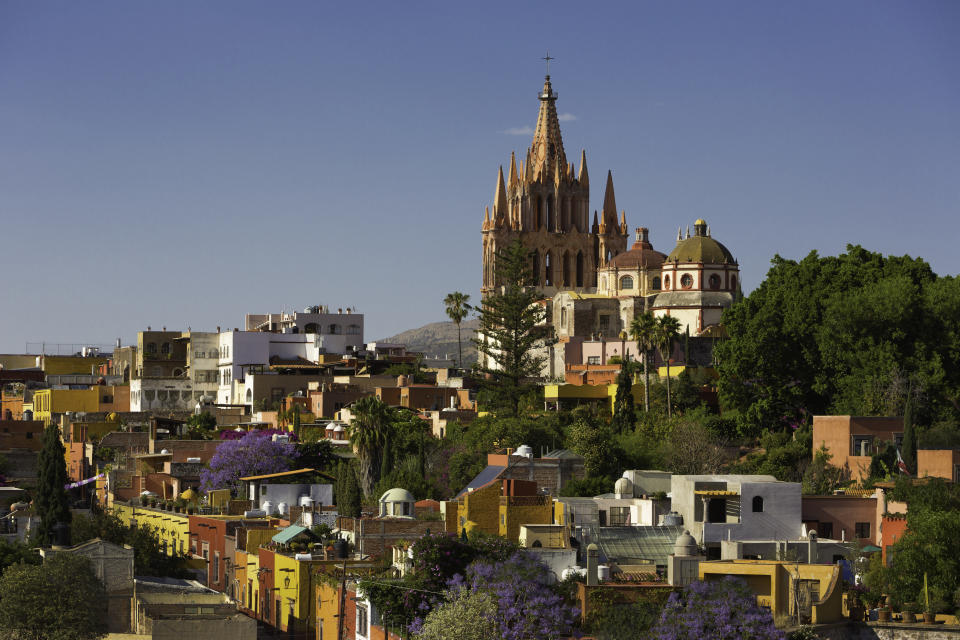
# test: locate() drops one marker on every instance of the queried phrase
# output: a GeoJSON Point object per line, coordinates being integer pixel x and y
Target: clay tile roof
{"type": "Point", "coordinates": [641, 254]}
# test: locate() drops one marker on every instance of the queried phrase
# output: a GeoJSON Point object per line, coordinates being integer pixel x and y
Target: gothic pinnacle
{"type": "Point", "coordinates": [583, 178]}
{"type": "Point", "coordinates": [512, 181]}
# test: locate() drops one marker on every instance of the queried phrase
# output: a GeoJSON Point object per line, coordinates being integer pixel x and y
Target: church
{"type": "Point", "coordinates": [593, 284]}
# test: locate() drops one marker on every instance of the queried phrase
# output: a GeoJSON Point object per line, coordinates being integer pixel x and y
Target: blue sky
{"type": "Point", "coordinates": [181, 164]}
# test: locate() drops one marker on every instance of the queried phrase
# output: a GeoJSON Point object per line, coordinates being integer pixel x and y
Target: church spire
{"type": "Point", "coordinates": [547, 149]}
{"type": "Point", "coordinates": [608, 214]}
{"type": "Point", "coordinates": [583, 177]}
{"type": "Point", "coordinates": [512, 180]}
{"type": "Point", "coordinates": [500, 200]}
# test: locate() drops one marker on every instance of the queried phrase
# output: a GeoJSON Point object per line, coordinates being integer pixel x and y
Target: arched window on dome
{"type": "Point", "coordinates": [626, 282]}
{"type": "Point", "coordinates": [579, 268]}
{"type": "Point", "coordinates": [666, 282]}
{"type": "Point", "coordinates": [655, 285]}
{"type": "Point", "coordinates": [733, 282]}
{"type": "Point", "coordinates": [714, 281]}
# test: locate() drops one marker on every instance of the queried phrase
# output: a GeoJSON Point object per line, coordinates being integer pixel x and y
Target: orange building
{"type": "Point", "coordinates": [851, 440]}
{"type": "Point", "coordinates": [844, 517]}
{"type": "Point", "coordinates": [939, 463]}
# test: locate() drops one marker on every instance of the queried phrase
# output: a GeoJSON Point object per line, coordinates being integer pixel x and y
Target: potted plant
{"type": "Point", "coordinates": [910, 610]}
{"type": "Point", "coordinates": [884, 613]}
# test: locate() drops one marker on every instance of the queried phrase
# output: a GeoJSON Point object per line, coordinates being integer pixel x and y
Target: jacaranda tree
{"type": "Point", "coordinates": [721, 610]}
{"type": "Point", "coordinates": [254, 454]}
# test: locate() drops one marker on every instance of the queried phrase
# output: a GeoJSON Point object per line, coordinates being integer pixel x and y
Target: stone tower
{"type": "Point", "coordinates": [546, 203]}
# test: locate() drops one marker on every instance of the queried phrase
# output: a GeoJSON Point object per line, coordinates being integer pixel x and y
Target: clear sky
{"type": "Point", "coordinates": [183, 163]}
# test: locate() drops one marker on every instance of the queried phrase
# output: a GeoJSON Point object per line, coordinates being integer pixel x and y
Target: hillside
{"type": "Point", "coordinates": [440, 339]}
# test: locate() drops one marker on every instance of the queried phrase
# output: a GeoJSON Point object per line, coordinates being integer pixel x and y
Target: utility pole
{"type": "Point", "coordinates": [343, 597]}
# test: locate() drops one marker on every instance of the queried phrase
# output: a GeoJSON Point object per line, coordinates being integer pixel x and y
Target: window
{"type": "Point", "coordinates": [862, 445]}
{"type": "Point", "coordinates": [216, 566]}
{"type": "Point", "coordinates": [656, 283]}
{"type": "Point", "coordinates": [862, 529]}
{"type": "Point", "coordinates": [603, 323]}
{"type": "Point", "coordinates": [757, 504]}
{"type": "Point", "coordinates": [825, 529]}
{"type": "Point", "coordinates": [733, 282]}
{"type": "Point", "coordinates": [151, 348]}
{"type": "Point", "coordinates": [29, 435]}
{"type": "Point", "coordinates": [362, 620]}
{"type": "Point", "coordinates": [619, 516]}
{"type": "Point", "coordinates": [714, 281]}
{"type": "Point", "coordinates": [686, 281]}
{"type": "Point", "coordinates": [626, 282]}
{"type": "Point", "coordinates": [579, 269]}
{"type": "Point", "coordinates": [206, 550]}
{"type": "Point", "coordinates": [548, 267]}
{"type": "Point", "coordinates": [603, 518]}
{"type": "Point", "coordinates": [563, 316]}
{"type": "Point", "coordinates": [536, 544]}
{"type": "Point", "coordinates": [666, 282]}
{"type": "Point", "coordinates": [593, 359]}
{"type": "Point", "coordinates": [165, 349]}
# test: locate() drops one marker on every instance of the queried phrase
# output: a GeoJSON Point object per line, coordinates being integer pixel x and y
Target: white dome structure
{"type": "Point", "coordinates": [397, 503]}
{"type": "Point", "coordinates": [623, 488]}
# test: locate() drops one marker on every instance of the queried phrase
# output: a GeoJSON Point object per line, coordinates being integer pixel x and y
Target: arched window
{"type": "Point", "coordinates": [536, 268]}
{"type": "Point", "coordinates": [548, 269]}
{"type": "Point", "coordinates": [656, 283]}
{"type": "Point", "coordinates": [165, 348]}
{"type": "Point", "coordinates": [566, 270]}
{"type": "Point", "coordinates": [609, 255]}
{"type": "Point", "coordinates": [579, 268]}
{"type": "Point", "coordinates": [626, 282]}
{"type": "Point", "coordinates": [551, 215]}
{"type": "Point", "coordinates": [714, 281]}
{"type": "Point", "coordinates": [177, 373]}
{"type": "Point", "coordinates": [733, 282]}
{"type": "Point", "coordinates": [249, 395]}
{"type": "Point", "coordinates": [563, 317]}
{"type": "Point", "coordinates": [666, 282]}
{"type": "Point", "coordinates": [603, 282]}
{"type": "Point", "coordinates": [757, 504]}
{"type": "Point", "coordinates": [686, 281]}
{"type": "Point", "coordinates": [311, 327]}
{"type": "Point", "coordinates": [536, 544]}
{"type": "Point", "coordinates": [151, 348]}
{"type": "Point", "coordinates": [539, 212]}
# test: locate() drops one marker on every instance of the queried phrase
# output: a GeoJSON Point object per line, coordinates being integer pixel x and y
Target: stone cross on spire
{"type": "Point", "coordinates": [548, 59]}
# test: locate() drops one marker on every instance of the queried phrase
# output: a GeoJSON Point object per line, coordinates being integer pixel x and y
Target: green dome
{"type": "Point", "coordinates": [703, 249]}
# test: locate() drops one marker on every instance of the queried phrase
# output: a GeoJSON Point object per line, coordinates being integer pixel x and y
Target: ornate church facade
{"type": "Point", "coordinates": [593, 283]}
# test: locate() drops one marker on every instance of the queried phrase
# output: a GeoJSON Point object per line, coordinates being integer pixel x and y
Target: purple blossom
{"type": "Point", "coordinates": [724, 610]}
{"type": "Point", "coordinates": [253, 454]}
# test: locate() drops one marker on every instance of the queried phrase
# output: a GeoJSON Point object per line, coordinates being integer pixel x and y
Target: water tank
{"type": "Point", "coordinates": [282, 508]}
{"type": "Point", "coordinates": [306, 502]}
{"type": "Point", "coordinates": [197, 460]}
{"type": "Point", "coordinates": [164, 451]}
{"type": "Point", "coordinates": [673, 519]}
{"type": "Point", "coordinates": [268, 507]}
{"type": "Point", "coordinates": [603, 572]}
{"type": "Point", "coordinates": [340, 549]}
{"type": "Point", "coordinates": [254, 513]}
{"type": "Point", "coordinates": [573, 571]}
{"type": "Point", "coordinates": [524, 450]}
{"type": "Point", "coordinates": [302, 557]}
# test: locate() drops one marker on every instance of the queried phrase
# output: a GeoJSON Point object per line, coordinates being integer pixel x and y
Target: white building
{"type": "Point", "coordinates": [718, 508]}
{"type": "Point", "coordinates": [242, 351]}
{"type": "Point", "coordinates": [340, 332]}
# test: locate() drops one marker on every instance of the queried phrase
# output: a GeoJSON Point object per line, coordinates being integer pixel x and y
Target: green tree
{"type": "Point", "coordinates": [821, 478]}
{"type": "Point", "coordinates": [52, 501]}
{"type": "Point", "coordinates": [668, 330]}
{"type": "Point", "coordinates": [643, 330]}
{"type": "Point", "coordinates": [466, 615]}
{"type": "Point", "coordinates": [347, 491]}
{"type": "Point", "coordinates": [16, 552]}
{"type": "Point", "coordinates": [149, 556]}
{"type": "Point", "coordinates": [457, 305]}
{"type": "Point", "coordinates": [296, 421]}
{"type": "Point", "coordinates": [62, 599]}
{"type": "Point", "coordinates": [511, 332]}
{"type": "Point", "coordinates": [371, 427]}
{"type": "Point", "coordinates": [593, 439]}
{"type": "Point", "coordinates": [623, 412]}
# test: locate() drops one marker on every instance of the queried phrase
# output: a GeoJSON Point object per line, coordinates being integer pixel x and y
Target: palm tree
{"type": "Point", "coordinates": [643, 330]}
{"type": "Point", "coordinates": [458, 307]}
{"type": "Point", "coordinates": [369, 431]}
{"type": "Point", "coordinates": [668, 330]}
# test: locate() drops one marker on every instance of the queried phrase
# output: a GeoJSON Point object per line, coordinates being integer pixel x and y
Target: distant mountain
{"type": "Point", "coordinates": [440, 339]}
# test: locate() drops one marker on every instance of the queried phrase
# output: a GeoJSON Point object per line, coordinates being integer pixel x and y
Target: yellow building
{"type": "Point", "coordinates": [172, 528]}
{"type": "Point", "coordinates": [71, 365]}
{"type": "Point", "coordinates": [486, 509]}
{"type": "Point", "coordinates": [783, 587]}
{"type": "Point", "coordinates": [47, 402]}
{"type": "Point", "coordinates": [605, 394]}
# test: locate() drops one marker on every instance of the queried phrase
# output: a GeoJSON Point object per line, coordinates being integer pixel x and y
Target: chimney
{"type": "Point", "coordinates": [812, 555]}
{"type": "Point", "coordinates": [592, 558]}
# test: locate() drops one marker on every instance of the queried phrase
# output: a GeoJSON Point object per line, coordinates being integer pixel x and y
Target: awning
{"type": "Point", "coordinates": [288, 534]}
{"type": "Point", "coordinates": [870, 549]}
{"type": "Point", "coordinates": [716, 493]}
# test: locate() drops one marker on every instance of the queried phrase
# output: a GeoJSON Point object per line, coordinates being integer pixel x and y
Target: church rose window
{"type": "Point", "coordinates": [686, 281]}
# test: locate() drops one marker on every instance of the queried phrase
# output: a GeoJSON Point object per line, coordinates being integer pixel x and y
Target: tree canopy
{"type": "Point", "coordinates": [53, 503]}
{"type": "Point", "coordinates": [61, 599]}
{"type": "Point", "coordinates": [254, 454]}
{"type": "Point", "coordinates": [841, 335]}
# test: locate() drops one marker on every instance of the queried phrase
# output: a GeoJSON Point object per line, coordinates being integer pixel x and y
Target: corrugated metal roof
{"type": "Point", "coordinates": [288, 534]}
{"type": "Point", "coordinates": [634, 545]}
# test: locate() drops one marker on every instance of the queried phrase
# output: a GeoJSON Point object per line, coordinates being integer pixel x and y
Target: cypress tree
{"type": "Point", "coordinates": [623, 411]}
{"type": "Point", "coordinates": [53, 504]}
{"type": "Point", "coordinates": [909, 453]}
{"type": "Point", "coordinates": [296, 421]}
{"type": "Point", "coordinates": [386, 462]}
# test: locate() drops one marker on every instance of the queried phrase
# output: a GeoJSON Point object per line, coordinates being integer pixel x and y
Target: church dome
{"type": "Point", "coordinates": [700, 247]}
{"type": "Point", "coordinates": [641, 254]}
